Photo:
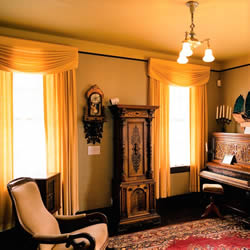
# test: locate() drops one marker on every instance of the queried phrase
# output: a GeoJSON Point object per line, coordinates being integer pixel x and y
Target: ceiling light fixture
{"type": "Point", "coordinates": [191, 42]}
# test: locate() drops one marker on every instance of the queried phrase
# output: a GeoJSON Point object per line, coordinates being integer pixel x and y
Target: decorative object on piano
{"type": "Point", "coordinates": [223, 116]}
{"type": "Point", "coordinates": [239, 114]}
{"type": "Point", "coordinates": [93, 117]}
{"type": "Point", "coordinates": [247, 105]}
{"type": "Point", "coordinates": [238, 106]}
{"type": "Point", "coordinates": [228, 159]}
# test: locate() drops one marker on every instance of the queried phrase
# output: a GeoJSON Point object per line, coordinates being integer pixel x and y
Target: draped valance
{"type": "Point", "coordinates": [185, 75]}
{"type": "Point", "coordinates": [36, 57]}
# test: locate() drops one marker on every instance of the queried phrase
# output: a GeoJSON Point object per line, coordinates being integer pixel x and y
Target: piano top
{"type": "Point", "coordinates": [231, 136]}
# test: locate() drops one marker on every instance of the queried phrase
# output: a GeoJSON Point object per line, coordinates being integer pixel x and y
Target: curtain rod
{"type": "Point", "coordinates": [145, 60]}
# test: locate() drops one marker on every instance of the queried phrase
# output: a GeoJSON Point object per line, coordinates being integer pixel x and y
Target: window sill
{"type": "Point", "coordinates": [179, 169]}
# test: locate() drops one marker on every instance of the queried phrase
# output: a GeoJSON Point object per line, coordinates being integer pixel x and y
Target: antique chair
{"type": "Point", "coordinates": [55, 232]}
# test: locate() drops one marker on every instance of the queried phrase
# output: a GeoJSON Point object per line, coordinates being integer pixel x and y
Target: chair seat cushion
{"type": "Point", "coordinates": [98, 231]}
{"type": "Point", "coordinates": [213, 188]}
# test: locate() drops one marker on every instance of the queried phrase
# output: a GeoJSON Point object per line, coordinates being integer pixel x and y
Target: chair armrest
{"type": "Point", "coordinates": [68, 239]}
{"type": "Point", "coordinates": [69, 223]}
{"type": "Point", "coordinates": [51, 239]}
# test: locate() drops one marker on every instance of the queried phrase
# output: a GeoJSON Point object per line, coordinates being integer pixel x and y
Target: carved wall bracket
{"type": "Point", "coordinates": [93, 131]}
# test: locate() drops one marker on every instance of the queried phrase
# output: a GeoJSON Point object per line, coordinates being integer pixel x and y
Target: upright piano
{"type": "Point", "coordinates": [234, 177]}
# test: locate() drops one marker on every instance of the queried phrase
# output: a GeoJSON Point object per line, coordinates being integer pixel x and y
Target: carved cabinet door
{"type": "Point", "coordinates": [135, 164]}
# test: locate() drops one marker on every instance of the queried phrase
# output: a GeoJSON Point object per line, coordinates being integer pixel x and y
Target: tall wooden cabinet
{"type": "Point", "coordinates": [133, 183]}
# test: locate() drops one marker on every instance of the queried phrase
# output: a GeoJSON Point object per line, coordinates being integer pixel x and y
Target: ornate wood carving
{"type": "Point", "coordinates": [234, 145]}
{"type": "Point", "coordinates": [133, 165]}
{"type": "Point", "coordinates": [136, 142]}
{"type": "Point", "coordinates": [149, 146]}
{"type": "Point", "coordinates": [152, 191]}
{"type": "Point", "coordinates": [138, 201]}
{"type": "Point", "coordinates": [136, 114]}
{"type": "Point", "coordinates": [93, 131]}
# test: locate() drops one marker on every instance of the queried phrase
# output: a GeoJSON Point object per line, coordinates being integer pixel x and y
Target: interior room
{"type": "Point", "coordinates": [137, 112]}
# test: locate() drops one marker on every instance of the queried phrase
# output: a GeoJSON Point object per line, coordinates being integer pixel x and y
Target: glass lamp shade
{"type": "Point", "coordinates": [182, 59]}
{"type": "Point", "coordinates": [208, 57]}
{"type": "Point", "coordinates": [186, 49]}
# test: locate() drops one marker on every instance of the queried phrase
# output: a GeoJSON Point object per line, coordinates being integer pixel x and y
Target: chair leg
{"type": "Point", "coordinates": [212, 208]}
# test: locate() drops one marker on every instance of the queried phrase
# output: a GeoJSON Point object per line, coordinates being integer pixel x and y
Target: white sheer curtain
{"type": "Point", "coordinates": [179, 126]}
{"type": "Point", "coordinates": [29, 133]}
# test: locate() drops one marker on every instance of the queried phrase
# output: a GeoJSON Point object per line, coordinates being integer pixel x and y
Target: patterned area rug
{"type": "Point", "coordinates": [210, 234]}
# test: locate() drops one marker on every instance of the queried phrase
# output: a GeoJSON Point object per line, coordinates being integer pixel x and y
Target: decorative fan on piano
{"type": "Point", "coordinates": [239, 115]}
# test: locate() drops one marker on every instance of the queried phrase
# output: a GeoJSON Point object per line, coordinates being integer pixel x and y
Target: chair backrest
{"type": "Point", "coordinates": [30, 210]}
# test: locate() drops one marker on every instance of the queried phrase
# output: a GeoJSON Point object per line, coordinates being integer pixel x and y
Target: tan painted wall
{"type": "Point", "coordinates": [234, 83]}
{"type": "Point", "coordinates": [120, 78]}
{"type": "Point", "coordinates": [214, 99]}
{"type": "Point", "coordinates": [179, 183]}
{"type": "Point", "coordinates": [242, 60]}
{"type": "Point", "coordinates": [127, 80]}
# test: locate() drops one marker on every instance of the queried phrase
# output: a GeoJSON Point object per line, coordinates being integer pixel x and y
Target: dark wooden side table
{"type": "Point", "coordinates": [50, 191]}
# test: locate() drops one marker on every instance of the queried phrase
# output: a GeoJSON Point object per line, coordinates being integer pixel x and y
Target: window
{"type": "Point", "coordinates": [29, 135]}
{"type": "Point", "coordinates": [179, 126]}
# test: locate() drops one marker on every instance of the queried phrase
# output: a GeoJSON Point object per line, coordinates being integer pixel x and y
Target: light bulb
{"type": "Point", "coordinates": [186, 49]}
{"type": "Point", "coordinates": [182, 59]}
{"type": "Point", "coordinates": [208, 57]}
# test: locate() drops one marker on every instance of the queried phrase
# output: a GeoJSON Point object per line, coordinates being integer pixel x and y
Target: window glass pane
{"type": "Point", "coordinates": [29, 134]}
{"type": "Point", "coordinates": [179, 132]}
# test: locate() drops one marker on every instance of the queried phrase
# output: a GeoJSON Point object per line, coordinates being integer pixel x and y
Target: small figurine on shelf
{"type": "Point", "coordinates": [223, 117]}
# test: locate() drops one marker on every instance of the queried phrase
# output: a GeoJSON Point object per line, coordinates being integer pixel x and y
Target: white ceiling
{"type": "Point", "coordinates": [155, 25]}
